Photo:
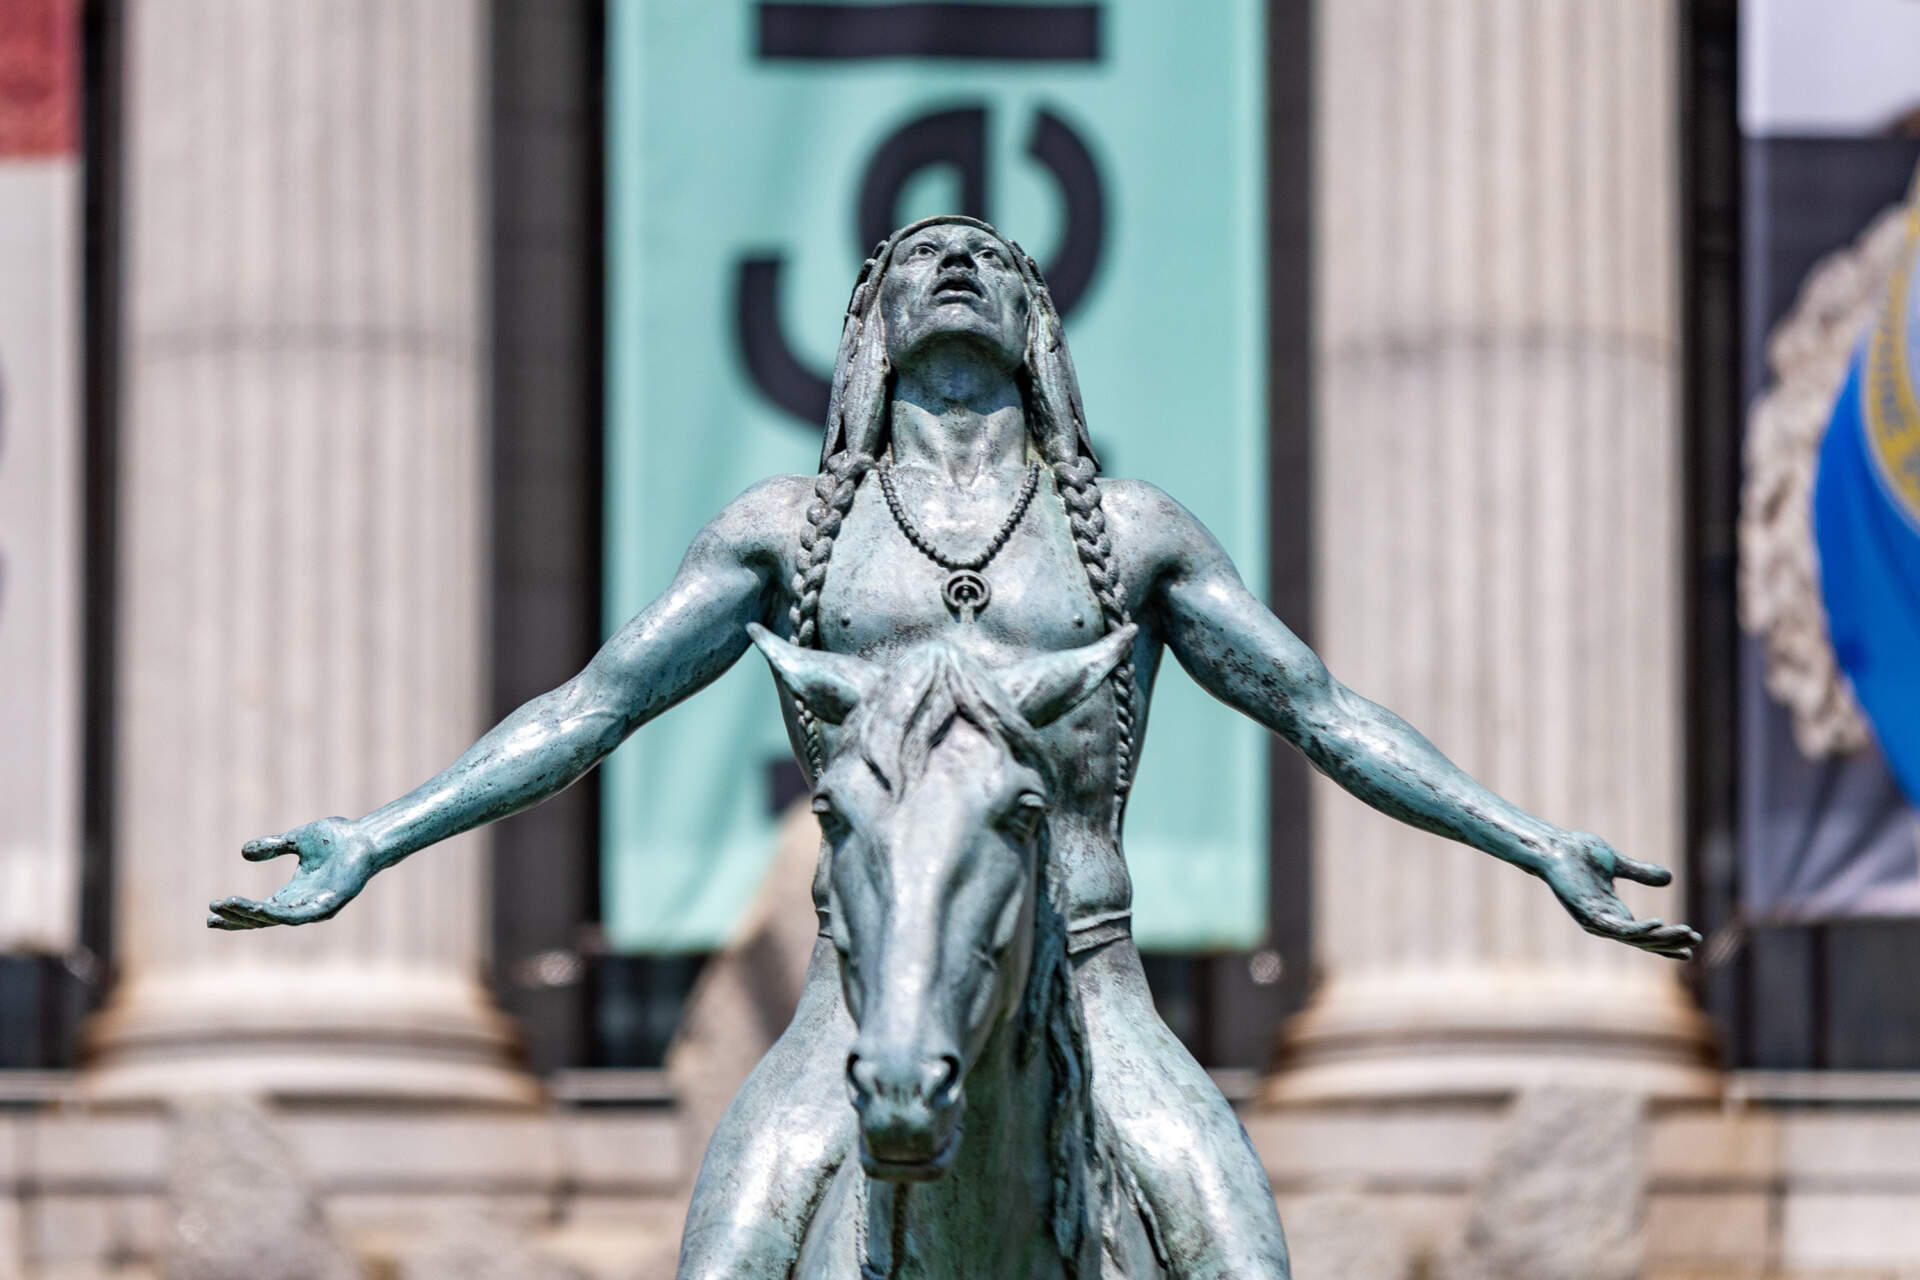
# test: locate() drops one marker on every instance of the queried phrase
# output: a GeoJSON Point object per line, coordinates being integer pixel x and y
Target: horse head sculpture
{"type": "Point", "coordinates": [942, 904]}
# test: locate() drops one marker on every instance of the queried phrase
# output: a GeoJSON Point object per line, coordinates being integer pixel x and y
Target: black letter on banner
{"type": "Point", "coordinates": [992, 32]}
{"type": "Point", "coordinates": [957, 137]}
{"type": "Point", "coordinates": [1055, 145]}
{"type": "Point", "coordinates": [770, 361]}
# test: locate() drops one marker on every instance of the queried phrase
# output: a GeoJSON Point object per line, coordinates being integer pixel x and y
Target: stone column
{"type": "Point", "coordinates": [41, 443]}
{"type": "Point", "coordinates": [302, 599]}
{"type": "Point", "coordinates": [1498, 540]}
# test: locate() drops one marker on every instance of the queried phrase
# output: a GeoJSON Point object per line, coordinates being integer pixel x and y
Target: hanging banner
{"type": "Point", "coordinates": [40, 480]}
{"type": "Point", "coordinates": [757, 152]}
{"type": "Point", "coordinates": [1830, 524]}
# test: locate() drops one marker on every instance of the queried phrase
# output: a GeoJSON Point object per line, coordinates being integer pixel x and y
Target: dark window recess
{"type": "Point", "coordinates": [546, 134]}
{"type": "Point", "coordinates": [637, 1005]}
{"type": "Point", "coordinates": [41, 1004]}
{"type": "Point", "coordinates": [1713, 410]}
{"type": "Point", "coordinates": [102, 45]}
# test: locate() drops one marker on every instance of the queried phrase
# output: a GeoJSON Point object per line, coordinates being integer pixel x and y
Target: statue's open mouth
{"type": "Point", "coordinates": [911, 1170]}
{"type": "Point", "coordinates": [954, 288]}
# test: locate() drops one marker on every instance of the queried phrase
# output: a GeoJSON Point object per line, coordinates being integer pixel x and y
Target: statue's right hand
{"type": "Point", "coordinates": [336, 861]}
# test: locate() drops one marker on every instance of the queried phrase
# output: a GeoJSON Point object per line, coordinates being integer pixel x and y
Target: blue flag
{"type": "Point", "coordinates": [1866, 520]}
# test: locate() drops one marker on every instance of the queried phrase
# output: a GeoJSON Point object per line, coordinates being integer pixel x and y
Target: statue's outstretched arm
{"type": "Point", "coordinates": [671, 649]}
{"type": "Point", "coordinates": [1234, 646]}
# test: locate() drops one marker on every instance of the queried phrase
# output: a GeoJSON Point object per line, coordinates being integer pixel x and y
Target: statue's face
{"type": "Point", "coordinates": [949, 284]}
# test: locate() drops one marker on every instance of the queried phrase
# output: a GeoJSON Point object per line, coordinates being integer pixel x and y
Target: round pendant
{"type": "Point", "coordinates": [966, 593]}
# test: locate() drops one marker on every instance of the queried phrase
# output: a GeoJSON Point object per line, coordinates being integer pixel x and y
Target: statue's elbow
{"type": "Point", "coordinates": [588, 713]}
{"type": "Point", "coordinates": [1324, 716]}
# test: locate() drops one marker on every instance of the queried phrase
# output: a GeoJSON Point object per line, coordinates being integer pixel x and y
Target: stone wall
{"type": "Point", "coordinates": [1739, 1190]}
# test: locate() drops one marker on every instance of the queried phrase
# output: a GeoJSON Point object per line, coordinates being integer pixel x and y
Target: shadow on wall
{"type": "Point", "coordinates": [747, 993]}
{"type": "Point", "coordinates": [1563, 1198]}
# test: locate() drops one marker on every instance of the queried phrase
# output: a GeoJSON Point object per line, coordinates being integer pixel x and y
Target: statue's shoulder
{"type": "Point", "coordinates": [786, 495]}
{"type": "Point", "coordinates": [1143, 509]}
{"type": "Point", "coordinates": [1153, 532]}
{"type": "Point", "coordinates": [768, 516]}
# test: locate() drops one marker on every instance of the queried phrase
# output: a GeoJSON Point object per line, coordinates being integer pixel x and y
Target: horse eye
{"type": "Point", "coordinates": [1024, 819]}
{"type": "Point", "coordinates": [830, 820]}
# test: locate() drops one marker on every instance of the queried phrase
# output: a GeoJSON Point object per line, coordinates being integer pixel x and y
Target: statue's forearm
{"type": "Point", "coordinates": [676, 646]}
{"type": "Point", "coordinates": [1386, 762]}
{"type": "Point", "coordinates": [1246, 657]}
{"type": "Point", "coordinates": [537, 751]}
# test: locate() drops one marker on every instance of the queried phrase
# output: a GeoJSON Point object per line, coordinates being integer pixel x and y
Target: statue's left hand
{"type": "Point", "coordinates": [1581, 867]}
{"type": "Point", "coordinates": [336, 861]}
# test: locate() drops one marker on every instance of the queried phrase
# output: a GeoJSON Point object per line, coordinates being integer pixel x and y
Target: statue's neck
{"type": "Point", "coordinates": [994, 1208]}
{"type": "Point", "coordinates": [964, 421]}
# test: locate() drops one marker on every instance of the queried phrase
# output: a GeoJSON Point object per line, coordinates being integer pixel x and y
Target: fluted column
{"type": "Point", "coordinates": [302, 565]}
{"type": "Point", "coordinates": [41, 445]}
{"type": "Point", "coordinates": [1498, 547]}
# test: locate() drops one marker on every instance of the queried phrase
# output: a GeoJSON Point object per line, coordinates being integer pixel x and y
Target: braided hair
{"type": "Point", "coordinates": [855, 436]}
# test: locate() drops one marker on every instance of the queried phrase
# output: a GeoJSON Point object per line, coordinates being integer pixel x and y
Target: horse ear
{"type": "Point", "coordinates": [1047, 687]}
{"type": "Point", "coordinates": [828, 684]}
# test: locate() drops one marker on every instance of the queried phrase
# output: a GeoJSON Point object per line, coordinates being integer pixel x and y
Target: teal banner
{"type": "Point", "coordinates": [756, 154]}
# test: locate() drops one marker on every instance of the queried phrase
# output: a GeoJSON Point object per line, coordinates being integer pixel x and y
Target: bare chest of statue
{"type": "Point", "coordinates": [884, 595]}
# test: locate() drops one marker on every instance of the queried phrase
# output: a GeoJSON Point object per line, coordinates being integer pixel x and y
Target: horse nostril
{"type": "Point", "coordinates": [859, 1076]}
{"type": "Point", "coordinates": [946, 1080]}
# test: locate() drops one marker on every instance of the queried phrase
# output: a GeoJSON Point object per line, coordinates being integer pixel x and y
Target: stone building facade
{"type": "Point", "coordinates": [349, 396]}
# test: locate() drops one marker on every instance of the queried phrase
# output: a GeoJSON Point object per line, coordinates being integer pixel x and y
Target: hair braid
{"type": "Point", "coordinates": [833, 489]}
{"type": "Point", "coordinates": [1081, 493]}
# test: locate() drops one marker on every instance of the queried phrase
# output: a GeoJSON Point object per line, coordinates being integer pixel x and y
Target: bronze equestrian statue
{"type": "Point", "coordinates": [958, 500]}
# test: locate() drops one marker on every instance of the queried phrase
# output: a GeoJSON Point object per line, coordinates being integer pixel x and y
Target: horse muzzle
{"type": "Point", "coordinates": [910, 1111]}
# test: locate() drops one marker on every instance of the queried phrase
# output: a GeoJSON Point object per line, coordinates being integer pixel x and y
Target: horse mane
{"type": "Point", "coordinates": [898, 728]}
{"type": "Point", "coordinates": [1052, 1019]}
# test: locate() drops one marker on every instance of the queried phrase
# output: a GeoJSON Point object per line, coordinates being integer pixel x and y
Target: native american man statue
{"type": "Point", "coordinates": [958, 500]}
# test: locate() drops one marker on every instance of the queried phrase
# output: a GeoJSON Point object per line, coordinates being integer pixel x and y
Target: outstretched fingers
{"type": "Point", "coordinates": [1672, 951]}
{"type": "Point", "coordinates": [1675, 940]}
{"type": "Point", "coordinates": [1585, 884]}
{"type": "Point", "coordinates": [245, 913]}
{"type": "Point", "coordinates": [1626, 868]}
{"type": "Point", "coordinates": [1652, 934]}
{"type": "Point", "coordinates": [1622, 927]}
{"type": "Point", "coordinates": [267, 847]}
{"type": "Point", "coordinates": [238, 913]}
